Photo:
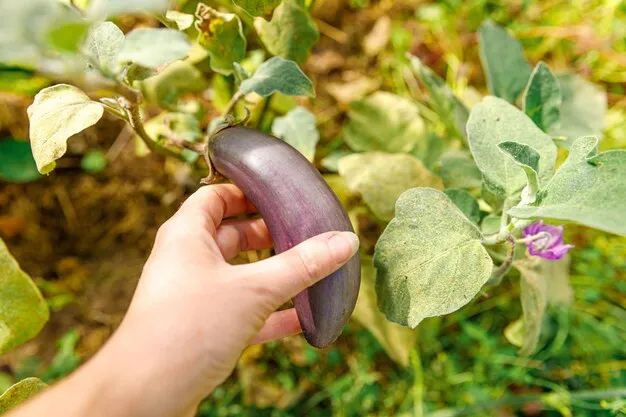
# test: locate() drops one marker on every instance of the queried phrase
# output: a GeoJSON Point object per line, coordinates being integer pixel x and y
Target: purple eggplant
{"type": "Point", "coordinates": [296, 204]}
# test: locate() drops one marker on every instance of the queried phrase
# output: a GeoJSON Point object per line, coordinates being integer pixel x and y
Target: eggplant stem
{"type": "Point", "coordinates": [231, 104]}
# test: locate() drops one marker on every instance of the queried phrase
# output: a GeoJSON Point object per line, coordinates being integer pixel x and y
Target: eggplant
{"type": "Point", "coordinates": [296, 204]}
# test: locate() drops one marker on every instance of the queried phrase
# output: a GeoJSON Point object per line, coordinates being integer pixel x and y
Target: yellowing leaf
{"type": "Point", "coordinates": [58, 113]}
{"type": "Point", "coordinates": [19, 393]}
{"type": "Point", "coordinates": [23, 311]}
{"type": "Point", "coordinates": [291, 33]}
{"type": "Point", "coordinates": [381, 177]}
{"type": "Point", "coordinates": [183, 20]}
{"type": "Point", "coordinates": [221, 34]}
{"type": "Point", "coordinates": [429, 260]}
{"type": "Point", "coordinates": [395, 339]}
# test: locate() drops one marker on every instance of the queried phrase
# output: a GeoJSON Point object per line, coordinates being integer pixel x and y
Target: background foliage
{"type": "Point", "coordinates": [86, 228]}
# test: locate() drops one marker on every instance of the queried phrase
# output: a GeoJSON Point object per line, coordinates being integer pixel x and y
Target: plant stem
{"type": "Point", "coordinates": [418, 382]}
{"type": "Point", "coordinates": [503, 234]}
{"type": "Point", "coordinates": [231, 104]}
{"type": "Point", "coordinates": [136, 123]}
{"type": "Point", "coordinates": [500, 271]}
{"type": "Point", "coordinates": [523, 399]}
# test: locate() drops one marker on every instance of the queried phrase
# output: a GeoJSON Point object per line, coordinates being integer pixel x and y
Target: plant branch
{"type": "Point", "coordinates": [501, 270]}
{"type": "Point", "coordinates": [136, 122]}
{"type": "Point", "coordinates": [592, 395]}
{"type": "Point", "coordinates": [231, 104]}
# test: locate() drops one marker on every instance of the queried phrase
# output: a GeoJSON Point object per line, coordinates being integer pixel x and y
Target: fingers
{"type": "Point", "coordinates": [303, 265]}
{"type": "Point", "coordinates": [234, 236]}
{"type": "Point", "coordinates": [278, 325]}
{"type": "Point", "coordinates": [215, 202]}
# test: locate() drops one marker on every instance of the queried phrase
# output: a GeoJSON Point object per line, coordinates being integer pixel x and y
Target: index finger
{"type": "Point", "coordinates": [216, 202]}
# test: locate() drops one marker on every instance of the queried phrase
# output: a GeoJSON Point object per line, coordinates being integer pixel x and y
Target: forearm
{"type": "Point", "coordinates": [121, 380]}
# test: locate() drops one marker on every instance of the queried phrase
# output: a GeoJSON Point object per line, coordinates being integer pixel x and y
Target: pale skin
{"type": "Point", "coordinates": [193, 314]}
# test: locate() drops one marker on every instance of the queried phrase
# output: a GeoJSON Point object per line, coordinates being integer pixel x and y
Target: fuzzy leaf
{"type": "Point", "coordinates": [429, 260]}
{"type": "Point", "coordinates": [151, 48]}
{"type": "Point", "coordinates": [58, 113]}
{"type": "Point", "coordinates": [526, 158]}
{"type": "Point", "coordinates": [589, 189]}
{"type": "Point", "coordinates": [278, 75]}
{"type": "Point", "coordinates": [395, 339]}
{"type": "Point", "coordinates": [583, 109]}
{"type": "Point", "coordinates": [534, 298]}
{"type": "Point", "coordinates": [102, 46]}
{"type": "Point", "coordinates": [560, 291]}
{"type": "Point", "coordinates": [23, 311]}
{"type": "Point", "coordinates": [542, 100]}
{"type": "Point", "coordinates": [381, 177]}
{"type": "Point", "coordinates": [384, 122]}
{"type": "Point", "coordinates": [503, 61]}
{"type": "Point", "coordinates": [465, 202]}
{"type": "Point", "coordinates": [19, 393]}
{"type": "Point", "coordinates": [183, 20]}
{"type": "Point", "coordinates": [458, 170]}
{"type": "Point", "coordinates": [299, 129]}
{"type": "Point", "coordinates": [448, 107]}
{"type": "Point", "coordinates": [16, 161]}
{"type": "Point", "coordinates": [291, 33]}
{"type": "Point", "coordinates": [166, 87]}
{"type": "Point", "coordinates": [493, 121]}
{"type": "Point", "coordinates": [257, 7]}
{"type": "Point", "coordinates": [221, 34]}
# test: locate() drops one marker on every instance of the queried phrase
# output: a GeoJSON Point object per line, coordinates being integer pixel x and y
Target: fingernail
{"type": "Point", "coordinates": [344, 245]}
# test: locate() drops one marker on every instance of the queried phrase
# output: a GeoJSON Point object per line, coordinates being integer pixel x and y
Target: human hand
{"type": "Point", "coordinates": [193, 314]}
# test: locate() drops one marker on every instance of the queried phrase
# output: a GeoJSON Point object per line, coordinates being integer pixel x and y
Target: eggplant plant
{"type": "Point", "coordinates": [451, 203]}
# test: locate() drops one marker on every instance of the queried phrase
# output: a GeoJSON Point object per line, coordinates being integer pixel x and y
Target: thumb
{"type": "Point", "coordinates": [294, 270]}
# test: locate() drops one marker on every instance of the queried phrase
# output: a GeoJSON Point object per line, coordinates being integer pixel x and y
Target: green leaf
{"type": "Point", "coordinates": [25, 28]}
{"type": "Point", "coordinates": [299, 129]}
{"type": "Point", "coordinates": [331, 161]}
{"type": "Point", "coordinates": [102, 47]}
{"type": "Point", "coordinates": [66, 359]}
{"type": "Point", "coordinates": [291, 33]}
{"type": "Point", "coordinates": [458, 170]}
{"type": "Point", "coordinates": [396, 340]}
{"type": "Point", "coordinates": [23, 311]}
{"type": "Point", "coordinates": [183, 20]}
{"type": "Point", "coordinates": [384, 122]}
{"type": "Point", "coordinates": [240, 73]}
{"type": "Point", "coordinates": [278, 75]}
{"type": "Point", "coordinates": [167, 86]}
{"type": "Point", "coordinates": [19, 393]}
{"type": "Point", "coordinates": [67, 36]}
{"type": "Point", "coordinates": [556, 273]}
{"type": "Point", "coordinates": [257, 7]}
{"type": "Point", "coordinates": [589, 189]}
{"type": "Point", "coordinates": [152, 48]}
{"type": "Point", "coordinates": [16, 161]}
{"type": "Point", "coordinates": [465, 202]}
{"type": "Point", "coordinates": [181, 125]}
{"type": "Point", "coordinates": [221, 34]}
{"type": "Point", "coordinates": [542, 99]}
{"type": "Point", "coordinates": [528, 159]}
{"type": "Point", "coordinates": [21, 81]}
{"type": "Point", "coordinates": [490, 225]}
{"type": "Point", "coordinates": [94, 161]}
{"type": "Point", "coordinates": [503, 61]}
{"type": "Point", "coordinates": [444, 102]}
{"type": "Point", "coordinates": [494, 120]}
{"type": "Point", "coordinates": [429, 260]}
{"type": "Point", "coordinates": [583, 109]}
{"type": "Point", "coordinates": [534, 298]}
{"type": "Point", "coordinates": [58, 113]}
{"type": "Point", "coordinates": [381, 177]}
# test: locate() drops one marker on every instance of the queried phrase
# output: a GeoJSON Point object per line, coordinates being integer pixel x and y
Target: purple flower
{"type": "Point", "coordinates": [548, 242]}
